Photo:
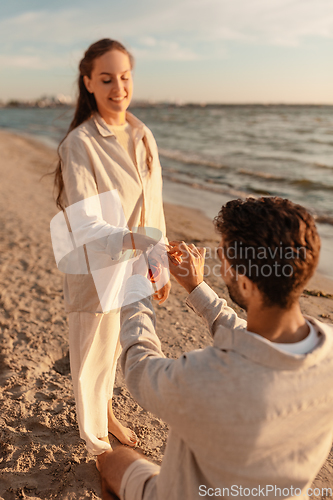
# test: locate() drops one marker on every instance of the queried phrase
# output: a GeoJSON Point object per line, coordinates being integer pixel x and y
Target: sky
{"type": "Point", "coordinates": [223, 51]}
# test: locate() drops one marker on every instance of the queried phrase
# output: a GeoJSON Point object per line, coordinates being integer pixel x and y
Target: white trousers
{"type": "Point", "coordinates": [94, 348]}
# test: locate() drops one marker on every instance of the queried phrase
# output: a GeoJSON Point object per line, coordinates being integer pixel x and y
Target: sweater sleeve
{"type": "Point", "coordinates": [86, 206]}
{"type": "Point", "coordinates": [215, 311]}
{"type": "Point", "coordinates": [159, 384]}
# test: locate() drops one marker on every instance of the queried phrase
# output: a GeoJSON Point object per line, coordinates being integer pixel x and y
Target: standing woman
{"type": "Point", "coordinates": [106, 149]}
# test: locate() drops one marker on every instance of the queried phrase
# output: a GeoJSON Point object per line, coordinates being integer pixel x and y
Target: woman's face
{"type": "Point", "coordinates": [112, 85]}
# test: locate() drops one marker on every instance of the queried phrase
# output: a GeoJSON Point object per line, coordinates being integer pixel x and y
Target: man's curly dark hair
{"type": "Point", "coordinates": [274, 242]}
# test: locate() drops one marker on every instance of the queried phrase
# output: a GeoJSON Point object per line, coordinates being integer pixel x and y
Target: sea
{"type": "Point", "coordinates": [211, 153]}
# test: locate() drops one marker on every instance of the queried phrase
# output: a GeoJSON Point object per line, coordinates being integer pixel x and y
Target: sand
{"type": "Point", "coordinates": [41, 454]}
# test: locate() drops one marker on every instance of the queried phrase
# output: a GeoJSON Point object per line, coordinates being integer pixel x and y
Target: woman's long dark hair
{"type": "Point", "coordinates": [86, 103]}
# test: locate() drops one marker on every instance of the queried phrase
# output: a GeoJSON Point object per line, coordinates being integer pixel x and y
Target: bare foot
{"type": "Point", "coordinates": [123, 434]}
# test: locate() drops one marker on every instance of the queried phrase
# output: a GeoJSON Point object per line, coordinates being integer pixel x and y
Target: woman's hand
{"type": "Point", "coordinates": [157, 250]}
{"type": "Point", "coordinates": [162, 294]}
{"type": "Point", "coordinates": [140, 266]}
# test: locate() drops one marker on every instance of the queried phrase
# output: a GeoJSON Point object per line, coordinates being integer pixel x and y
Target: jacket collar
{"type": "Point", "coordinates": [104, 130]}
{"type": "Point", "coordinates": [262, 353]}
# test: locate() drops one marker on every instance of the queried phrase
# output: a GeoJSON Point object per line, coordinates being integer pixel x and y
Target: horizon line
{"type": "Point", "coordinates": [175, 102]}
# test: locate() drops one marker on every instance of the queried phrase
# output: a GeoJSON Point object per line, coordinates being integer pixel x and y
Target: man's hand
{"type": "Point", "coordinates": [112, 467]}
{"type": "Point", "coordinates": [188, 272]}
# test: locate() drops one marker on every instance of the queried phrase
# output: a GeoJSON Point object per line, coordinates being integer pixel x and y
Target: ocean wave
{"type": "Point", "coordinates": [229, 190]}
{"type": "Point", "coordinates": [304, 184]}
{"type": "Point", "coordinates": [190, 158]}
{"type": "Point", "coordinates": [322, 218]}
{"type": "Point", "coordinates": [279, 159]}
{"type": "Point", "coordinates": [262, 175]}
{"type": "Point", "coordinates": [302, 131]}
{"type": "Point", "coordinates": [318, 141]}
{"type": "Point", "coordinates": [322, 165]}
{"type": "Point", "coordinates": [307, 185]}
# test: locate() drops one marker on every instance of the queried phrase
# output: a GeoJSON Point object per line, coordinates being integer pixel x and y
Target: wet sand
{"type": "Point", "coordinates": [41, 454]}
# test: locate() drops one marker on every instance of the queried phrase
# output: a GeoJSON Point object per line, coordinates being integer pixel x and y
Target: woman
{"type": "Point", "coordinates": [106, 150]}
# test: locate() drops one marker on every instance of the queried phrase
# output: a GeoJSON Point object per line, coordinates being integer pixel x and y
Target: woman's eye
{"type": "Point", "coordinates": [125, 78]}
{"type": "Point", "coordinates": [106, 81]}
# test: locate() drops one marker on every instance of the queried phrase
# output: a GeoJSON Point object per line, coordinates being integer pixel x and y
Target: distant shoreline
{"type": "Point", "coordinates": [38, 104]}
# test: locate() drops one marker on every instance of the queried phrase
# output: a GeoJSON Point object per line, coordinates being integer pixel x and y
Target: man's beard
{"type": "Point", "coordinates": [235, 295]}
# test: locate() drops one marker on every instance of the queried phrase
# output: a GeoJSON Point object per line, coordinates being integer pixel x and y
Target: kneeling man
{"type": "Point", "coordinates": [251, 415]}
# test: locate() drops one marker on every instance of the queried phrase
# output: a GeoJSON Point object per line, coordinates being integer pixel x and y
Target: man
{"type": "Point", "coordinates": [251, 415]}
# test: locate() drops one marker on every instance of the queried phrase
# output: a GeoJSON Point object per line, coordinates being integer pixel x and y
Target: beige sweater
{"type": "Point", "coordinates": [241, 413]}
{"type": "Point", "coordinates": [95, 163]}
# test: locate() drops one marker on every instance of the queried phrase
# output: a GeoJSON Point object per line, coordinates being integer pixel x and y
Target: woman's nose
{"type": "Point", "coordinates": [117, 84]}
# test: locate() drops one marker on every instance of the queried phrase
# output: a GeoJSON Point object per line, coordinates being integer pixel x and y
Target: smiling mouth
{"type": "Point", "coordinates": [117, 99]}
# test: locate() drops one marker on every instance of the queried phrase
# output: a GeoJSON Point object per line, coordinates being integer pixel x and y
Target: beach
{"type": "Point", "coordinates": [41, 454]}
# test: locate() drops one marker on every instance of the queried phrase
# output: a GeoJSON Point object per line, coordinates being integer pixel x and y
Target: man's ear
{"type": "Point", "coordinates": [87, 83]}
{"type": "Point", "coordinates": [246, 287]}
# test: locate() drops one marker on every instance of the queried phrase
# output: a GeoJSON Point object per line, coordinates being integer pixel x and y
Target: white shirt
{"type": "Point", "coordinates": [302, 347]}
